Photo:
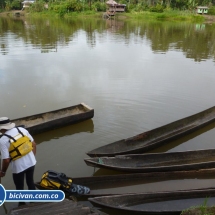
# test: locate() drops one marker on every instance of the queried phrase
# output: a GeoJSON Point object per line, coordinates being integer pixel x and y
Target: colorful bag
{"type": "Point", "coordinates": [20, 145]}
{"type": "Point", "coordinates": [53, 180]}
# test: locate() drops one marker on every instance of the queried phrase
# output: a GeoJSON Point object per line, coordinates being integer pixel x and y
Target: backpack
{"type": "Point", "coordinates": [20, 145]}
{"type": "Point", "coordinates": [53, 180]}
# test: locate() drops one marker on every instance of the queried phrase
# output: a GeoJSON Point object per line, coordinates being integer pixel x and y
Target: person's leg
{"type": "Point", "coordinates": [18, 179]}
{"type": "Point", "coordinates": [29, 173]}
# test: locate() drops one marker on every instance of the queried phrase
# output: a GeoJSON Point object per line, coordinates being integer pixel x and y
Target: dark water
{"type": "Point", "coordinates": [172, 204]}
{"type": "Point", "coordinates": [137, 75]}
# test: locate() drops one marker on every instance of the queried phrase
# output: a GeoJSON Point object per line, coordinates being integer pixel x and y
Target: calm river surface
{"type": "Point", "coordinates": [137, 75]}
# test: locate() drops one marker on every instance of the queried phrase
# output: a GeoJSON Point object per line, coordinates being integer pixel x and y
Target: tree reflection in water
{"type": "Point", "coordinates": [194, 40]}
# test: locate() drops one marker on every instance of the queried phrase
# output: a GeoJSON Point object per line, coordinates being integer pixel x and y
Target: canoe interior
{"type": "Point", "coordinates": [160, 203]}
{"type": "Point", "coordinates": [157, 161]}
{"type": "Point", "coordinates": [55, 119]}
{"type": "Point", "coordinates": [155, 138]}
{"type": "Point", "coordinates": [146, 182]}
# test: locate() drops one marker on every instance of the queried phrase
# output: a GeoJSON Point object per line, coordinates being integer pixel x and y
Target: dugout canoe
{"type": "Point", "coordinates": [157, 137]}
{"type": "Point", "coordinates": [144, 182]}
{"type": "Point", "coordinates": [55, 119]}
{"type": "Point", "coordinates": [157, 162]}
{"type": "Point", "coordinates": [161, 203]}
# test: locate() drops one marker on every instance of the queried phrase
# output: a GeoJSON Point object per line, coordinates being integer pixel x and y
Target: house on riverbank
{"type": "Point", "coordinates": [202, 10]}
{"type": "Point", "coordinates": [27, 3]}
{"type": "Point", "coordinates": [115, 7]}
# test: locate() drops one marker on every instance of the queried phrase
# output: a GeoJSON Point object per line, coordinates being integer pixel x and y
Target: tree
{"type": "Point", "coordinates": [2, 4]}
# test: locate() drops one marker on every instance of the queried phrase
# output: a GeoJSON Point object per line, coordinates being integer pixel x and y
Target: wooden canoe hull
{"type": "Point", "coordinates": [55, 119]}
{"type": "Point", "coordinates": [156, 203]}
{"type": "Point", "coordinates": [145, 182]}
{"type": "Point", "coordinates": [157, 137]}
{"type": "Point", "coordinates": [157, 162]}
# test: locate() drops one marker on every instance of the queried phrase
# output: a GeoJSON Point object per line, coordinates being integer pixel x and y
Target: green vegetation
{"type": "Point", "coordinates": [211, 11]}
{"type": "Point", "coordinates": [65, 7]}
{"type": "Point", "coordinates": [174, 15]}
{"type": "Point", "coordinates": [200, 210]}
{"type": "Point", "coordinates": [174, 10]}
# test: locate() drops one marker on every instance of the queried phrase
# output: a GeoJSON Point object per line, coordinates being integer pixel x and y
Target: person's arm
{"type": "Point", "coordinates": [5, 165]}
{"type": "Point", "coordinates": [34, 147]}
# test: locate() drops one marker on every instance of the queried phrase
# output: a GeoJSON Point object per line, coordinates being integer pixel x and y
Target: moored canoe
{"type": "Point", "coordinates": [157, 162]}
{"type": "Point", "coordinates": [55, 119]}
{"type": "Point", "coordinates": [157, 137]}
{"type": "Point", "coordinates": [144, 182]}
{"type": "Point", "coordinates": [156, 203]}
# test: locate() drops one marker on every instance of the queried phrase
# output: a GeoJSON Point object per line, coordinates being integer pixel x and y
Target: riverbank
{"type": "Point", "coordinates": [209, 18]}
{"type": "Point", "coordinates": [173, 16]}
{"type": "Point", "coordinates": [13, 13]}
{"type": "Point", "coordinates": [201, 210]}
{"type": "Point", "coordinates": [166, 15]}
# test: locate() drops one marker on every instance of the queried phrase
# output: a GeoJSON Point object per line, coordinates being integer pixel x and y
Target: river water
{"type": "Point", "coordinates": [137, 75]}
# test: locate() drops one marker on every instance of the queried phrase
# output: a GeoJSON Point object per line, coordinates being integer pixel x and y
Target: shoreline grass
{"type": "Point", "coordinates": [202, 209]}
{"type": "Point", "coordinates": [167, 15]}
{"type": "Point", "coordinates": [199, 211]}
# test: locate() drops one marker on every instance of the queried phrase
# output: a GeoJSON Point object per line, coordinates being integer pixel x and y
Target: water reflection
{"type": "Point", "coordinates": [48, 35]}
{"type": "Point", "coordinates": [200, 27]}
{"type": "Point", "coordinates": [86, 126]}
{"type": "Point", "coordinates": [114, 25]}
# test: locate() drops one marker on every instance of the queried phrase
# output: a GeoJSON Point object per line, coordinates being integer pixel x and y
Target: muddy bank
{"type": "Point", "coordinates": [13, 13]}
{"type": "Point", "coordinates": [209, 19]}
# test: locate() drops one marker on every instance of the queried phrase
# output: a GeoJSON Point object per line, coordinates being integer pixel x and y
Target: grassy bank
{"type": "Point", "coordinates": [90, 14]}
{"type": "Point", "coordinates": [199, 211]}
{"type": "Point", "coordinates": [170, 15]}
{"type": "Point", "coordinates": [166, 15]}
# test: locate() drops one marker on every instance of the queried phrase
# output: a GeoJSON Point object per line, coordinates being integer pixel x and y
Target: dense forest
{"type": "Point", "coordinates": [66, 6]}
